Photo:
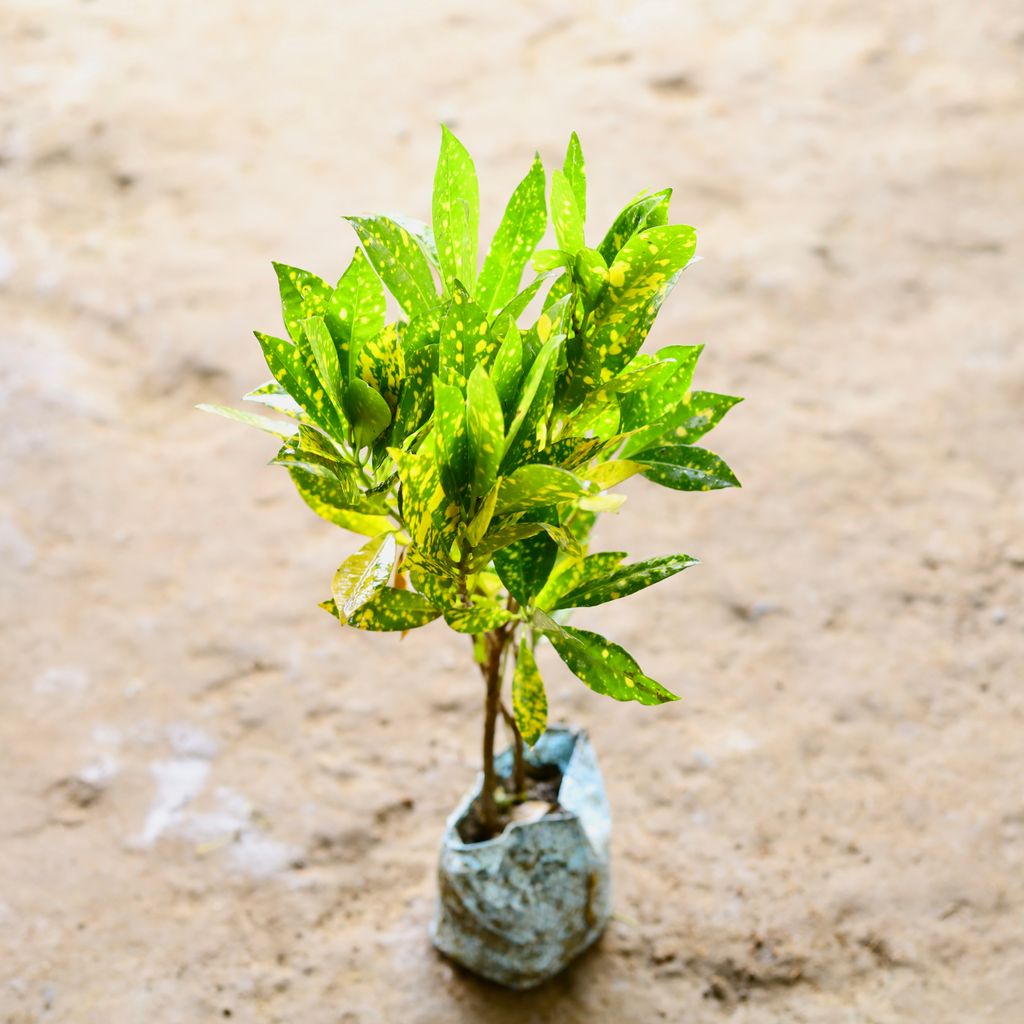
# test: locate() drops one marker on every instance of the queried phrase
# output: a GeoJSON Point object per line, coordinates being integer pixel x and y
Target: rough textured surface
{"type": "Point", "coordinates": [214, 802]}
{"type": "Point", "coordinates": [520, 907]}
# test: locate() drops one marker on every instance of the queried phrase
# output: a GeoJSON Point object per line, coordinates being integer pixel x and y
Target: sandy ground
{"type": "Point", "coordinates": [216, 805]}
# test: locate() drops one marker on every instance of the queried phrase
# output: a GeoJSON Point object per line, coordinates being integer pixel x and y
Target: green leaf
{"type": "Point", "coordinates": [275, 397]}
{"type": "Point", "coordinates": [517, 306]}
{"type": "Point", "coordinates": [360, 303]}
{"type": "Point", "coordinates": [456, 212]}
{"type": "Point", "coordinates": [363, 574]}
{"type": "Point", "coordinates": [698, 414]}
{"type": "Point", "coordinates": [380, 361]}
{"type": "Point", "coordinates": [610, 474]}
{"type": "Point", "coordinates": [391, 609]}
{"type": "Point", "coordinates": [501, 537]}
{"type": "Point", "coordinates": [546, 260]}
{"type": "Point", "coordinates": [590, 272]}
{"type": "Point", "coordinates": [465, 339]}
{"type": "Point", "coordinates": [481, 618]}
{"type": "Point", "coordinates": [605, 667]}
{"type": "Point", "coordinates": [529, 701]}
{"type": "Point", "coordinates": [686, 468]}
{"type": "Point", "coordinates": [453, 451]}
{"type": "Point", "coordinates": [486, 428]}
{"type": "Point", "coordinates": [575, 172]}
{"type": "Point", "coordinates": [566, 215]}
{"type": "Point", "coordinates": [539, 380]}
{"type": "Point", "coordinates": [524, 567]}
{"type": "Point", "coordinates": [643, 274]}
{"type": "Point", "coordinates": [416, 399]}
{"type": "Point", "coordinates": [368, 413]}
{"type": "Point", "coordinates": [521, 229]}
{"type": "Point", "coordinates": [424, 506]}
{"type": "Point", "coordinates": [535, 484]}
{"type": "Point", "coordinates": [481, 522]}
{"type": "Point", "coordinates": [507, 371]}
{"type": "Point", "coordinates": [571, 574]}
{"type": "Point", "coordinates": [643, 212]}
{"type": "Point", "coordinates": [329, 500]}
{"type": "Point", "coordinates": [302, 295]}
{"type": "Point", "coordinates": [289, 368]}
{"type": "Point", "coordinates": [326, 355]}
{"type": "Point", "coordinates": [623, 581]}
{"type": "Point", "coordinates": [399, 262]}
{"type": "Point", "coordinates": [251, 419]}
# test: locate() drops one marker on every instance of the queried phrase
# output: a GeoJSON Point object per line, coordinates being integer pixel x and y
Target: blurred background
{"type": "Point", "coordinates": [216, 805]}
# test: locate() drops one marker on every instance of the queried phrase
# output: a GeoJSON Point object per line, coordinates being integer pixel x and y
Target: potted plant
{"type": "Point", "coordinates": [475, 454]}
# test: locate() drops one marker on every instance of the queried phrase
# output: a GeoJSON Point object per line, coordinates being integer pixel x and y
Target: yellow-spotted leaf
{"type": "Point", "coordinates": [359, 302]}
{"type": "Point", "coordinates": [643, 274]}
{"type": "Point", "coordinates": [591, 274]}
{"type": "Point", "coordinates": [330, 500]}
{"type": "Point", "coordinates": [645, 211]}
{"type": "Point", "coordinates": [452, 439]}
{"type": "Point", "coordinates": [393, 610]}
{"type": "Point", "coordinates": [610, 474]}
{"type": "Point", "coordinates": [361, 575]}
{"type": "Point", "coordinates": [328, 367]}
{"type": "Point", "coordinates": [456, 212]}
{"type": "Point", "coordinates": [507, 371]}
{"type": "Point", "coordinates": [302, 295]}
{"type": "Point", "coordinates": [292, 371]}
{"type": "Point", "coordinates": [685, 467]}
{"type": "Point", "coordinates": [416, 399]}
{"type": "Point", "coordinates": [566, 215]}
{"type": "Point", "coordinates": [623, 581]}
{"type": "Point", "coordinates": [517, 306]}
{"type": "Point", "coordinates": [380, 361]}
{"type": "Point", "coordinates": [536, 485]}
{"type": "Point", "coordinates": [465, 339]}
{"type": "Point", "coordinates": [275, 397]}
{"type": "Point", "coordinates": [399, 261]}
{"type": "Point", "coordinates": [524, 567]}
{"type": "Point", "coordinates": [430, 516]}
{"type": "Point", "coordinates": [480, 618]}
{"type": "Point", "coordinates": [521, 228]}
{"type": "Point", "coordinates": [571, 573]}
{"type": "Point", "coordinates": [604, 666]}
{"type": "Point", "coordinates": [575, 171]}
{"type": "Point", "coordinates": [481, 522]}
{"type": "Point", "coordinates": [529, 701]}
{"type": "Point", "coordinates": [486, 430]}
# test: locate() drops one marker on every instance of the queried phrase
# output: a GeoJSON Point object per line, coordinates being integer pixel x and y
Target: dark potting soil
{"type": "Point", "coordinates": [542, 785]}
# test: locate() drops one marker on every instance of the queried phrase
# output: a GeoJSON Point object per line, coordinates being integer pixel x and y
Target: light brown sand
{"type": "Point", "coordinates": [214, 804]}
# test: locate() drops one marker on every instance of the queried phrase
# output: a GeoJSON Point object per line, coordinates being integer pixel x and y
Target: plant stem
{"type": "Point", "coordinates": [492, 677]}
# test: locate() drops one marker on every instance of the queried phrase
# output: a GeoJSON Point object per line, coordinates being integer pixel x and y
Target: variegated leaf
{"type": "Point", "coordinates": [393, 610]}
{"type": "Point", "coordinates": [565, 215]}
{"type": "Point", "coordinates": [363, 574]}
{"type": "Point", "coordinates": [328, 367]}
{"type": "Point", "coordinates": [536, 485]}
{"type": "Point", "coordinates": [623, 581]}
{"type": "Point", "coordinates": [575, 171]}
{"type": "Point", "coordinates": [684, 467]}
{"type": "Point", "coordinates": [605, 667]}
{"type": "Point", "coordinates": [643, 212]}
{"type": "Point", "coordinates": [524, 567]}
{"type": "Point", "coordinates": [521, 228]}
{"type": "Point", "coordinates": [399, 262]}
{"type": "Point", "coordinates": [456, 212]}
{"type": "Point", "coordinates": [529, 701]}
{"type": "Point", "coordinates": [331, 501]}
{"type": "Point", "coordinates": [359, 303]}
{"type": "Point", "coordinates": [480, 618]}
{"type": "Point", "coordinates": [485, 425]}
{"type": "Point", "coordinates": [465, 339]}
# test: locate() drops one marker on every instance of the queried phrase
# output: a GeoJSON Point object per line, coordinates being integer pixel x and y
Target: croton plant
{"type": "Point", "coordinates": [474, 452]}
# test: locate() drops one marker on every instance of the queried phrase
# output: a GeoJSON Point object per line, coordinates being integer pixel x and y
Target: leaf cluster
{"type": "Point", "coordinates": [475, 453]}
